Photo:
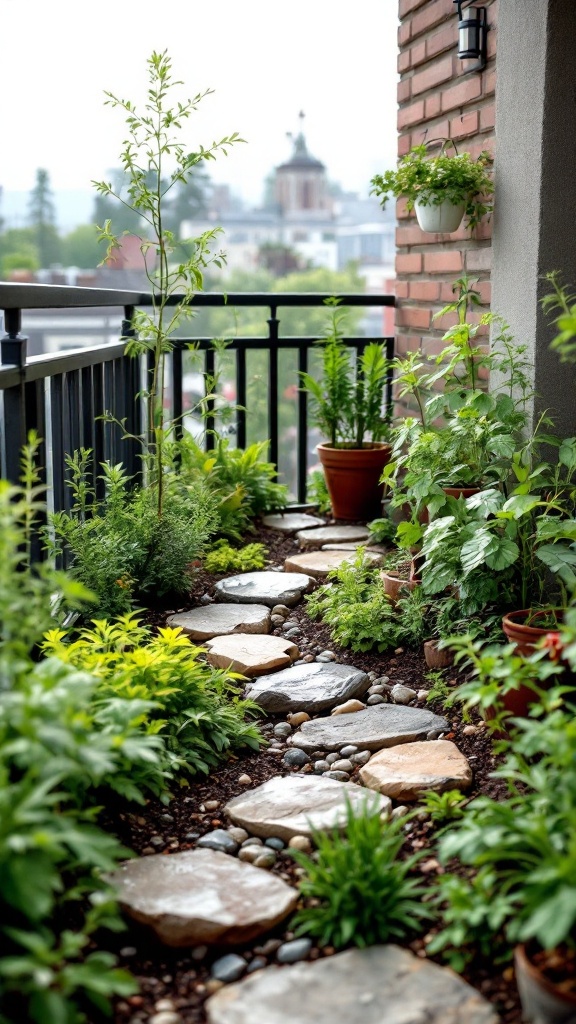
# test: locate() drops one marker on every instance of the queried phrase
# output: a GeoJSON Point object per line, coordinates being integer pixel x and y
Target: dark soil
{"type": "Point", "coordinates": [177, 975]}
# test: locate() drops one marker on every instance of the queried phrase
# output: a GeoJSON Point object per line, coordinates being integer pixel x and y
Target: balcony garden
{"type": "Point", "coordinates": [265, 758]}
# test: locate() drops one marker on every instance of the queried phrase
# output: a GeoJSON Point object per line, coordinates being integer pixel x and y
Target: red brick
{"type": "Point", "coordinates": [485, 289]}
{"type": "Point", "coordinates": [433, 105]}
{"type": "Point", "coordinates": [444, 39]}
{"type": "Point", "coordinates": [466, 124]}
{"type": "Point", "coordinates": [418, 54]}
{"type": "Point", "coordinates": [424, 291]}
{"type": "Point", "coordinates": [411, 114]}
{"type": "Point", "coordinates": [401, 289]}
{"type": "Point", "coordinates": [403, 61]}
{"type": "Point", "coordinates": [448, 261]}
{"type": "Point", "coordinates": [479, 259]}
{"type": "Point", "coordinates": [408, 5]}
{"type": "Point", "coordinates": [461, 94]}
{"type": "Point", "coordinates": [413, 316]}
{"type": "Point", "coordinates": [489, 83]}
{"type": "Point", "coordinates": [431, 15]}
{"type": "Point", "coordinates": [484, 230]}
{"type": "Point", "coordinates": [491, 42]}
{"type": "Point", "coordinates": [404, 33]}
{"type": "Point", "coordinates": [409, 263]}
{"type": "Point", "coordinates": [446, 293]}
{"type": "Point", "coordinates": [487, 117]}
{"type": "Point", "coordinates": [403, 145]}
{"type": "Point", "coordinates": [432, 76]}
{"type": "Point", "coordinates": [404, 90]}
{"type": "Point", "coordinates": [410, 235]}
{"type": "Point", "coordinates": [401, 212]}
{"type": "Point", "coordinates": [432, 133]}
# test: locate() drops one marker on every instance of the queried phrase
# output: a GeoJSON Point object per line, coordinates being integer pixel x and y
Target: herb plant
{"type": "Point", "coordinates": [443, 807]}
{"type": "Point", "coordinates": [364, 894]}
{"type": "Point", "coordinates": [224, 558]}
{"type": "Point", "coordinates": [430, 180]}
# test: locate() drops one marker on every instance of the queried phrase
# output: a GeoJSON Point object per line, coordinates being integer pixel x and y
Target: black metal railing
{"type": "Point", "coordinates": [64, 396]}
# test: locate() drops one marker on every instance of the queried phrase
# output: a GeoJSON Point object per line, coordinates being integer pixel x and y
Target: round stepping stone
{"type": "Point", "coordinates": [406, 771]}
{"type": "Point", "coordinates": [222, 619]}
{"type": "Point", "coordinates": [384, 725]}
{"type": "Point", "coordinates": [314, 686]}
{"type": "Point", "coordinates": [331, 535]}
{"type": "Point", "coordinates": [295, 805]}
{"type": "Point", "coordinates": [202, 897]}
{"type": "Point", "coordinates": [319, 563]}
{"type": "Point", "coordinates": [360, 986]}
{"type": "Point", "coordinates": [251, 654]}
{"type": "Point", "coordinates": [267, 588]}
{"type": "Point", "coordinates": [292, 522]}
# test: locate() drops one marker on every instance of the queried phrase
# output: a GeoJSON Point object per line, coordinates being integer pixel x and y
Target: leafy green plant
{"type": "Point", "coordinates": [155, 159]}
{"type": "Point", "coordinates": [317, 491]}
{"type": "Point", "coordinates": [439, 688]}
{"type": "Point", "coordinates": [122, 550]}
{"type": "Point", "coordinates": [443, 807]}
{"type": "Point", "coordinates": [194, 708]}
{"type": "Point", "coordinates": [224, 558]}
{"type": "Point", "coordinates": [382, 531]}
{"type": "Point", "coordinates": [347, 406]}
{"type": "Point", "coordinates": [430, 180]}
{"type": "Point", "coordinates": [363, 892]}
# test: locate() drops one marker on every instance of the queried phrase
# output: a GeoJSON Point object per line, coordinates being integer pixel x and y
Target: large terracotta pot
{"type": "Point", "coordinates": [353, 479]}
{"type": "Point", "coordinates": [543, 1002]}
{"type": "Point", "coordinates": [521, 628]}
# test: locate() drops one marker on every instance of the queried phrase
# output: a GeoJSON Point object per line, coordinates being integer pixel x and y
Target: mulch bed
{"type": "Point", "coordinates": [176, 975]}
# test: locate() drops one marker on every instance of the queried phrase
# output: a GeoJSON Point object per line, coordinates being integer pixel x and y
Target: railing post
{"type": "Point", "coordinates": [132, 400]}
{"type": "Point", "coordinates": [273, 324]}
{"type": "Point", "coordinates": [13, 348]}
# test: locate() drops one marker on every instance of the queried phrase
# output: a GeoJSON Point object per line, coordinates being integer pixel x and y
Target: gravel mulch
{"type": "Point", "coordinates": [180, 981]}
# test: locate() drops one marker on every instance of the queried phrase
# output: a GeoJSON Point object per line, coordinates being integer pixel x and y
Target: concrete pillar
{"type": "Point", "coordinates": [534, 228]}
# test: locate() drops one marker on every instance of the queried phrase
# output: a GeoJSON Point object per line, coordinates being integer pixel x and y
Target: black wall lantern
{"type": "Point", "coordinates": [472, 31]}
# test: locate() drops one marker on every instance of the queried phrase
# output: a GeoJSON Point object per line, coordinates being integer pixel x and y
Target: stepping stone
{"type": "Point", "coordinates": [359, 986]}
{"type": "Point", "coordinates": [250, 654]}
{"type": "Point", "coordinates": [319, 563]}
{"type": "Point", "coordinates": [292, 522]}
{"type": "Point", "coordinates": [222, 619]}
{"type": "Point", "coordinates": [314, 687]}
{"type": "Point", "coordinates": [384, 725]}
{"type": "Point", "coordinates": [295, 805]}
{"type": "Point", "coordinates": [202, 897]}
{"type": "Point", "coordinates": [408, 770]}
{"type": "Point", "coordinates": [343, 546]}
{"type": "Point", "coordinates": [267, 588]}
{"type": "Point", "coordinates": [332, 535]}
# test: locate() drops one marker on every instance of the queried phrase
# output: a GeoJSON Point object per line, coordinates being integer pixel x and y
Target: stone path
{"type": "Point", "coordinates": [370, 744]}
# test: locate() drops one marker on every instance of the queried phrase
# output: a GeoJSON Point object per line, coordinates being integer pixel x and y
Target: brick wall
{"type": "Point", "coordinates": [437, 98]}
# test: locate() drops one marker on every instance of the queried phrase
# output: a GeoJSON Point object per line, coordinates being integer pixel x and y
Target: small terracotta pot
{"type": "Point", "coordinates": [525, 635]}
{"type": "Point", "coordinates": [353, 479]}
{"type": "Point", "coordinates": [395, 586]}
{"type": "Point", "coordinates": [436, 658]}
{"type": "Point", "coordinates": [542, 1001]}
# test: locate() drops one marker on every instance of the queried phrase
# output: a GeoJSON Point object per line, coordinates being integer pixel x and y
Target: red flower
{"type": "Point", "coordinates": [553, 643]}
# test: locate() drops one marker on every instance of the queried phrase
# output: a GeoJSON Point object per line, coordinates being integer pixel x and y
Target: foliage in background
{"type": "Point", "coordinates": [365, 894]}
{"type": "Point", "coordinates": [121, 549]}
{"type": "Point", "coordinates": [224, 558]}
{"type": "Point", "coordinates": [317, 491]}
{"type": "Point", "coordinates": [195, 709]}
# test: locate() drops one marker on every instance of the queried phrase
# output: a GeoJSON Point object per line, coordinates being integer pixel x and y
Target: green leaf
{"type": "Point", "coordinates": [501, 553]}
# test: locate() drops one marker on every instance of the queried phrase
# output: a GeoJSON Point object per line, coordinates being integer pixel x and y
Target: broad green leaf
{"type": "Point", "coordinates": [501, 553]}
{"type": "Point", "coordinates": [521, 504]}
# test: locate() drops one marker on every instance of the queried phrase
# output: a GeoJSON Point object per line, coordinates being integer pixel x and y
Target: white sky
{"type": "Point", "coordinates": [266, 61]}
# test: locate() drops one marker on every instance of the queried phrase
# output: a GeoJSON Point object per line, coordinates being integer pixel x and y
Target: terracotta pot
{"type": "Point", "coordinates": [353, 479]}
{"type": "Point", "coordinates": [395, 585]}
{"type": "Point", "coordinates": [436, 658]}
{"type": "Point", "coordinates": [542, 1001]}
{"type": "Point", "coordinates": [526, 636]}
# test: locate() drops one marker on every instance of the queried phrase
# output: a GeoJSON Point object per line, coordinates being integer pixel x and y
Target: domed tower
{"type": "Point", "coordinates": [301, 186]}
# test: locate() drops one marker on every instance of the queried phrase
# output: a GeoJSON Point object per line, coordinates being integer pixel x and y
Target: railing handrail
{"type": "Point", "coordinates": [15, 295]}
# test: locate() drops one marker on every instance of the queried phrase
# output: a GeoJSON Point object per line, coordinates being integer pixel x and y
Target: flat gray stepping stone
{"type": "Point", "coordinates": [202, 897]}
{"type": "Point", "coordinates": [345, 546]}
{"type": "Point", "coordinates": [292, 522]}
{"type": "Point", "coordinates": [383, 725]}
{"type": "Point", "coordinates": [222, 619]}
{"type": "Point", "coordinates": [250, 654]}
{"type": "Point", "coordinates": [319, 563]}
{"type": "Point", "coordinates": [295, 805]}
{"type": "Point", "coordinates": [267, 588]}
{"type": "Point", "coordinates": [312, 688]}
{"type": "Point", "coordinates": [331, 535]}
{"type": "Point", "coordinates": [378, 985]}
{"type": "Point", "coordinates": [408, 770]}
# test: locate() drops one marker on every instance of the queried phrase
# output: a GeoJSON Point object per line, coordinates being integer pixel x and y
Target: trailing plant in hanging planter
{"type": "Point", "coordinates": [428, 182]}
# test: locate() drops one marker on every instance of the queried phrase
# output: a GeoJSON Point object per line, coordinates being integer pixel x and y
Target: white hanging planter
{"type": "Point", "coordinates": [442, 218]}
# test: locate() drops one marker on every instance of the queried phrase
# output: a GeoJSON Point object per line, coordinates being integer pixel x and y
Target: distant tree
{"type": "Point", "coordinates": [279, 259]}
{"type": "Point", "coordinates": [188, 201]}
{"type": "Point", "coordinates": [108, 207]}
{"type": "Point", "coordinates": [18, 250]}
{"type": "Point", "coordinates": [80, 248]}
{"type": "Point", "coordinates": [41, 215]}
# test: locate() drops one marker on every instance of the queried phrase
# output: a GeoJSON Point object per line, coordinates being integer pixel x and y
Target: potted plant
{"type": "Point", "coordinates": [517, 892]}
{"type": "Point", "coordinates": [347, 407]}
{"type": "Point", "coordinates": [442, 188]}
